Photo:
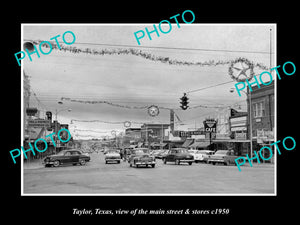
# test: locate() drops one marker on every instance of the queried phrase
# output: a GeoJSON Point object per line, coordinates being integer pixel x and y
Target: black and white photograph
{"type": "Point", "coordinates": [164, 109]}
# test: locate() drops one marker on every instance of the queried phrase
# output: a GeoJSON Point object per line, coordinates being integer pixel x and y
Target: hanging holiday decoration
{"type": "Point", "coordinates": [139, 53]}
{"type": "Point", "coordinates": [131, 107]}
{"type": "Point", "coordinates": [104, 102]}
{"type": "Point", "coordinates": [241, 69]}
{"type": "Point", "coordinates": [90, 131]}
{"type": "Point", "coordinates": [153, 110]}
{"type": "Point", "coordinates": [127, 124]}
{"type": "Point", "coordinates": [102, 121]}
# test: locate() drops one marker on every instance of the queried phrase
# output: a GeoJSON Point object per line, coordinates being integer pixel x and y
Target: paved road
{"type": "Point", "coordinates": [99, 178]}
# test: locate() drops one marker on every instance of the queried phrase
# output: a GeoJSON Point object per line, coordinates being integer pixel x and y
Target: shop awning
{"type": "Point", "coordinates": [158, 144]}
{"type": "Point", "coordinates": [187, 143]}
{"type": "Point", "coordinates": [231, 140]}
{"type": "Point", "coordinates": [202, 144]}
{"type": "Point", "coordinates": [140, 144]}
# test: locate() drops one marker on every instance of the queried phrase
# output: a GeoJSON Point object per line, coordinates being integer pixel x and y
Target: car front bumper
{"type": "Point", "coordinates": [145, 163]}
{"type": "Point", "coordinates": [112, 160]}
{"type": "Point", "coordinates": [186, 160]}
{"type": "Point", "coordinates": [216, 160]}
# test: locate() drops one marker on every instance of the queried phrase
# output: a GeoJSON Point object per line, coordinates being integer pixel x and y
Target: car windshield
{"type": "Point", "coordinates": [141, 151]}
{"type": "Point", "coordinates": [221, 152]}
{"type": "Point", "coordinates": [205, 152]}
{"type": "Point", "coordinates": [182, 151]}
{"type": "Point", "coordinates": [61, 153]}
{"type": "Point", "coordinates": [113, 152]}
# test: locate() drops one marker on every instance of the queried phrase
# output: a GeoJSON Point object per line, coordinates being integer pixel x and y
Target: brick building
{"type": "Point", "coordinates": [263, 113]}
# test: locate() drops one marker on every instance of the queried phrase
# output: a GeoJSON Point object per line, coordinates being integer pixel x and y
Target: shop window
{"type": "Point", "coordinates": [258, 109]}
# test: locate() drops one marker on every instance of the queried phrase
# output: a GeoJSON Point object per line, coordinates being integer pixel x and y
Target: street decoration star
{"type": "Point", "coordinates": [153, 110]}
{"type": "Point", "coordinates": [241, 70]}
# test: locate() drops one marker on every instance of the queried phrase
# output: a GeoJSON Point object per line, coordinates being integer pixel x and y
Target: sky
{"type": "Point", "coordinates": [135, 81]}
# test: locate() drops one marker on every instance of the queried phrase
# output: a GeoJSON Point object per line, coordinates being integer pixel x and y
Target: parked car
{"type": "Point", "coordinates": [158, 153]}
{"type": "Point", "coordinates": [70, 156]}
{"type": "Point", "coordinates": [226, 157]}
{"type": "Point", "coordinates": [141, 156]}
{"type": "Point", "coordinates": [195, 154]}
{"type": "Point", "coordinates": [178, 155]}
{"type": "Point", "coordinates": [112, 155]}
{"type": "Point", "coordinates": [162, 154]}
{"type": "Point", "coordinates": [204, 155]}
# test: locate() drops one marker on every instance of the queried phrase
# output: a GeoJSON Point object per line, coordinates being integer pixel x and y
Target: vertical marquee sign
{"type": "Point", "coordinates": [210, 126]}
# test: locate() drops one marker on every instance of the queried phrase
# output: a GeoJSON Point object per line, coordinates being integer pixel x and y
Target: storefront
{"type": "Point", "coordinates": [200, 145]}
{"type": "Point", "coordinates": [240, 147]}
{"type": "Point", "coordinates": [264, 138]}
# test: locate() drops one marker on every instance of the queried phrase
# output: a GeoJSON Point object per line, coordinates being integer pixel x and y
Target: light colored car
{"type": "Point", "coordinates": [141, 157]}
{"type": "Point", "coordinates": [204, 155]}
{"type": "Point", "coordinates": [225, 157]}
{"type": "Point", "coordinates": [112, 156]}
{"type": "Point", "coordinates": [195, 153]}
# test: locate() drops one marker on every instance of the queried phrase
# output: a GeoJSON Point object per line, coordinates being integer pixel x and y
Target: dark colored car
{"type": "Point", "coordinates": [178, 155]}
{"type": "Point", "coordinates": [225, 157]}
{"type": "Point", "coordinates": [71, 156]}
{"type": "Point", "coordinates": [141, 157]}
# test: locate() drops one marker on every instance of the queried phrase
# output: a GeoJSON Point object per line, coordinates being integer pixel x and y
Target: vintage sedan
{"type": "Point", "coordinates": [225, 157]}
{"type": "Point", "coordinates": [112, 156]}
{"type": "Point", "coordinates": [178, 155]}
{"type": "Point", "coordinates": [141, 157]}
{"type": "Point", "coordinates": [204, 155]}
{"type": "Point", "coordinates": [70, 156]}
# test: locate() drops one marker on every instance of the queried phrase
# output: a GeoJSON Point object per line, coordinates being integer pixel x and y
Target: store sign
{"type": "Point", "coordinates": [264, 135]}
{"type": "Point", "coordinates": [39, 123]}
{"type": "Point", "coordinates": [241, 136]}
{"type": "Point", "coordinates": [31, 111]}
{"type": "Point", "coordinates": [210, 125]}
{"type": "Point", "coordinates": [178, 133]}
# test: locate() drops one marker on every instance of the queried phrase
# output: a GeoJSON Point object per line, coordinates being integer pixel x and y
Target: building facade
{"type": "Point", "coordinates": [154, 133]}
{"type": "Point", "coordinates": [263, 117]}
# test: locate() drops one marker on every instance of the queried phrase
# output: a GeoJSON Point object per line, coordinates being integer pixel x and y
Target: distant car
{"type": "Point", "coordinates": [226, 157]}
{"type": "Point", "coordinates": [158, 153]}
{"type": "Point", "coordinates": [195, 154]}
{"type": "Point", "coordinates": [112, 156]}
{"type": "Point", "coordinates": [202, 155]}
{"type": "Point", "coordinates": [70, 156]}
{"type": "Point", "coordinates": [178, 155]}
{"type": "Point", "coordinates": [141, 157]}
{"type": "Point", "coordinates": [162, 154]}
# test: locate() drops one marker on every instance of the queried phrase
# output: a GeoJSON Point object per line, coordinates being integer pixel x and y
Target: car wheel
{"type": "Point", "coordinates": [214, 163]}
{"type": "Point", "coordinates": [165, 161]}
{"type": "Point", "coordinates": [190, 163]}
{"type": "Point", "coordinates": [56, 163]}
{"type": "Point", "coordinates": [177, 162]}
{"type": "Point", "coordinates": [153, 165]}
{"type": "Point", "coordinates": [130, 165]}
{"type": "Point", "coordinates": [82, 162]}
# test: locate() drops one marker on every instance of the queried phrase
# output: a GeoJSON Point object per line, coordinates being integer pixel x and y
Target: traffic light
{"type": "Point", "coordinates": [184, 102]}
{"type": "Point", "coordinates": [49, 115]}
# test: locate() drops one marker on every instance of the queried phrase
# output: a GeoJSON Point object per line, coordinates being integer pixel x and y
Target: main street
{"type": "Point", "coordinates": [96, 177]}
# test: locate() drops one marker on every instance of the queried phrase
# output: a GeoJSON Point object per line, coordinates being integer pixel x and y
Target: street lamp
{"type": "Point", "coordinates": [248, 94]}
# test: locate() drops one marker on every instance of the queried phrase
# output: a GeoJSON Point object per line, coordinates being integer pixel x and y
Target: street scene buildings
{"type": "Point", "coordinates": [173, 96]}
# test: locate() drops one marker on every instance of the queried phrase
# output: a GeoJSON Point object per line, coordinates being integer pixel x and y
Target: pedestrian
{"type": "Point", "coordinates": [122, 153]}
